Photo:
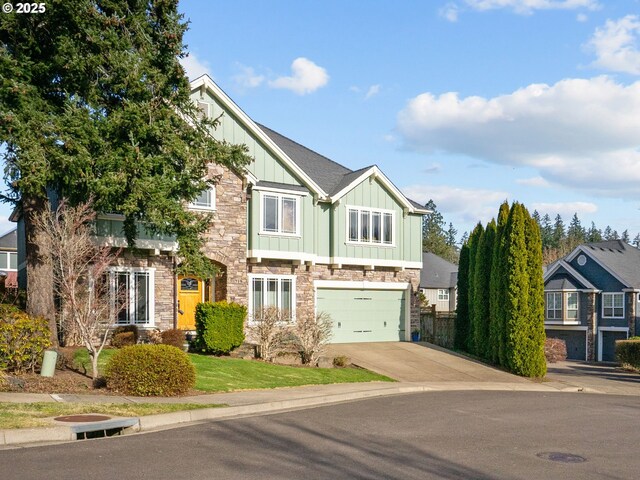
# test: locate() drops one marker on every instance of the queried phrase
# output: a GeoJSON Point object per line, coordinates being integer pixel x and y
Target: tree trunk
{"type": "Point", "coordinates": [40, 301]}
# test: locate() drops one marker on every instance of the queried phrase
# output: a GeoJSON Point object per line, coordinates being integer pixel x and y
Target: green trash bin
{"type": "Point", "coordinates": [49, 363]}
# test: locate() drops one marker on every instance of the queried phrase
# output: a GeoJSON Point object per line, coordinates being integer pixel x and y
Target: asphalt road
{"type": "Point", "coordinates": [444, 435]}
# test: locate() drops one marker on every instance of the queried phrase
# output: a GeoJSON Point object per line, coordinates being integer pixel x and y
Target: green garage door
{"type": "Point", "coordinates": [364, 315]}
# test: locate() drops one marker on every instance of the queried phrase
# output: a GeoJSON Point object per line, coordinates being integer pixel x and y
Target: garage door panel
{"type": "Point", "coordinates": [364, 315]}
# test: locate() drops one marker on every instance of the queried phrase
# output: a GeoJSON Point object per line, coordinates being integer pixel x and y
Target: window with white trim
{"type": "Point", "coordinates": [365, 225]}
{"type": "Point", "coordinates": [613, 305]}
{"type": "Point", "coordinates": [572, 306]}
{"type": "Point", "coordinates": [279, 214]}
{"type": "Point", "coordinates": [443, 295]}
{"type": "Point", "coordinates": [562, 306]}
{"type": "Point", "coordinates": [8, 261]}
{"type": "Point", "coordinates": [206, 200]}
{"type": "Point", "coordinates": [132, 295]}
{"type": "Point", "coordinates": [554, 305]}
{"type": "Point", "coordinates": [272, 291]}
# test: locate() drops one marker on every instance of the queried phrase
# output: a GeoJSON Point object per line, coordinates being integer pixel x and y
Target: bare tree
{"type": "Point", "coordinates": [270, 330]}
{"type": "Point", "coordinates": [312, 335]}
{"type": "Point", "coordinates": [80, 275]}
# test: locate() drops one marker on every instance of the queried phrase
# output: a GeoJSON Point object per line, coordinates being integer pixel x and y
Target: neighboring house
{"type": "Point", "coordinates": [295, 230]}
{"type": "Point", "coordinates": [9, 258]}
{"type": "Point", "coordinates": [591, 299]}
{"type": "Point", "coordinates": [438, 282]}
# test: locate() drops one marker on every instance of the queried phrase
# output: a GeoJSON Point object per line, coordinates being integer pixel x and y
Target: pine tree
{"type": "Point", "coordinates": [497, 286]}
{"type": "Point", "coordinates": [636, 241]}
{"type": "Point", "coordinates": [462, 311]}
{"type": "Point", "coordinates": [608, 233]}
{"type": "Point", "coordinates": [435, 238]}
{"type": "Point", "coordinates": [451, 235]}
{"type": "Point", "coordinates": [546, 230]}
{"type": "Point", "coordinates": [575, 233]}
{"type": "Point", "coordinates": [558, 233]}
{"type": "Point", "coordinates": [593, 234]}
{"type": "Point", "coordinates": [482, 279]}
{"type": "Point", "coordinates": [474, 242]}
{"type": "Point", "coordinates": [625, 236]}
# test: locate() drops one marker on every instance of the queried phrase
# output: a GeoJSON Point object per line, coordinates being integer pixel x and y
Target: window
{"type": "Point", "coordinates": [443, 295]}
{"type": "Point", "coordinates": [279, 214]}
{"type": "Point", "coordinates": [132, 297]}
{"type": "Point", "coordinates": [562, 306]}
{"type": "Point", "coordinates": [8, 261]}
{"type": "Point", "coordinates": [272, 291]}
{"type": "Point", "coordinates": [206, 200]}
{"type": "Point", "coordinates": [613, 305]}
{"type": "Point", "coordinates": [554, 306]}
{"type": "Point", "coordinates": [572, 306]}
{"type": "Point", "coordinates": [369, 226]}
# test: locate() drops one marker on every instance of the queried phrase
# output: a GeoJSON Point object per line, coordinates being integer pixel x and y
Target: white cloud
{"type": "Point", "coordinates": [450, 12]}
{"type": "Point", "coordinates": [306, 77]}
{"type": "Point", "coordinates": [433, 168]}
{"type": "Point", "coordinates": [468, 205]}
{"type": "Point", "coordinates": [194, 67]}
{"type": "Point", "coordinates": [583, 133]}
{"type": "Point", "coordinates": [533, 182]}
{"type": "Point", "coordinates": [565, 209]}
{"type": "Point", "coordinates": [582, 17]}
{"type": "Point", "coordinates": [616, 45]}
{"type": "Point", "coordinates": [527, 7]}
{"type": "Point", "coordinates": [247, 78]}
{"type": "Point", "coordinates": [373, 90]}
{"type": "Point", "coordinates": [354, 89]}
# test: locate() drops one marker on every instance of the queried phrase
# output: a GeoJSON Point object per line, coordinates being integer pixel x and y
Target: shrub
{"type": "Point", "coordinates": [341, 361]}
{"type": "Point", "coordinates": [555, 350]}
{"type": "Point", "coordinates": [312, 335]}
{"type": "Point", "coordinates": [154, 336]}
{"type": "Point", "coordinates": [23, 339]}
{"type": "Point", "coordinates": [271, 331]}
{"type": "Point", "coordinates": [126, 328]}
{"type": "Point", "coordinates": [219, 327]}
{"type": "Point", "coordinates": [628, 352]}
{"type": "Point", "coordinates": [173, 337]}
{"type": "Point", "coordinates": [123, 339]}
{"type": "Point", "coordinates": [150, 370]}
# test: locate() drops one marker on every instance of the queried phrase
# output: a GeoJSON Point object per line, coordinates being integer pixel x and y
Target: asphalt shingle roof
{"type": "Point", "coordinates": [619, 257]}
{"type": "Point", "coordinates": [437, 272]}
{"type": "Point", "coordinates": [9, 241]}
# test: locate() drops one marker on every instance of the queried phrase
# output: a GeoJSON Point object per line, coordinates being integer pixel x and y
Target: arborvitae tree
{"type": "Point", "coordinates": [435, 238]}
{"type": "Point", "coordinates": [497, 286]}
{"type": "Point", "coordinates": [462, 310]}
{"type": "Point", "coordinates": [474, 242]}
{"type": "Point", "coordinates": [593, 234]}
{"type": "Point", "coordinates": [558, 233]}
{"type": "Point", "coordinates": [482, 279]}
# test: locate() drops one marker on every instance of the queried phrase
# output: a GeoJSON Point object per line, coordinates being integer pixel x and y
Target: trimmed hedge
{"type": "Point", "coordinates": [219, 327]}
{"type": "Point", "coordinates": [173, 337]}
{"type": "Point", "coordinates": [150, 370]}
{"type": "Point", "coordinates": [118, 340]}
{"type": "Point", "coordinates": [628, 352]}
{"type": "Point", "coordinates": [23, 339]}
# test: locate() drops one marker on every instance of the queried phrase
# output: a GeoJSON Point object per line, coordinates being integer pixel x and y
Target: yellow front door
{"type": "Point", "coordinates": [189, 295]}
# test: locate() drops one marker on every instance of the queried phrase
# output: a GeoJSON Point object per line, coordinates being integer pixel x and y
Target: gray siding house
{"type": "Point", "coordinates": [591, 299]}
{"type": "Point", "coordinates": [438, 282]}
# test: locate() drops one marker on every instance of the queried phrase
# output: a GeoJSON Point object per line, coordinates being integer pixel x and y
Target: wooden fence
{"type": "Point", "coordinates": [437, 327]}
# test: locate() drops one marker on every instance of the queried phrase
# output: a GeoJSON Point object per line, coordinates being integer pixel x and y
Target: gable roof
{"type": "Point", "coordinates": [619, 258]}
{"type": "Point", "coordinates": [328, 179]}
{"type": "Point", "coordinates": [9, 241]}
{"type": "Point", "coordinates": [562, 264]}
{"type": "Point", "coordinates": [437, 272]}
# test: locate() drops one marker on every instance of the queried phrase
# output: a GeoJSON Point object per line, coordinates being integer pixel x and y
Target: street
{"type": "Point", "coordinates": [446, 435]}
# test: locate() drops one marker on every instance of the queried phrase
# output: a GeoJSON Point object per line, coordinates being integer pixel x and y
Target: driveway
{"type": "Point", "coordinates": [420, 362]}
{"type": "Point", "coordinates": [594, 377]}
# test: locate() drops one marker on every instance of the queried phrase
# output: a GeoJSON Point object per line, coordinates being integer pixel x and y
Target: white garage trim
{"type": "Point", "coordinates": [366, 285]}
{"type": "Point", "coordinates": [574, 328]}
{"type": "Point", "coordinates": [608, 329]}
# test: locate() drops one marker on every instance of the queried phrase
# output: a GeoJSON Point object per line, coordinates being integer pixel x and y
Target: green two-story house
{"type": "Point", "coordinates": [294, 230]}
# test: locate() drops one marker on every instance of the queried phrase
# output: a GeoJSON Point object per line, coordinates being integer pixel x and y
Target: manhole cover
{"type": "Point", "coordinates": [82, 418]}
{"type": "Point", "coordinates": [561, 457]}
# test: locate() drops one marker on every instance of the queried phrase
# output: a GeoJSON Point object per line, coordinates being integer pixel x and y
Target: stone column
{"type": "Point", "coordinates": [591, 326]}
{"type": "Point", "coordinates": [631, 312]}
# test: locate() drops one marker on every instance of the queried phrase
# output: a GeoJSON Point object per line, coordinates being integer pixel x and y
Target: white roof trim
{"type": "Point", "coordinates": [572, 271]}
{"type": "Point", "coordinates": [377, 174]}
{"type": "Point", "coordinates": [207, 82]}
{"type": "Point", "coordinates": [581, 248]}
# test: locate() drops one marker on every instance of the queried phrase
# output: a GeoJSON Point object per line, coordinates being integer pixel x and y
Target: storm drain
{"type": "Point", "coordinates": [97, 426]}
{"type": "Point", "coordinates": [561, 457]}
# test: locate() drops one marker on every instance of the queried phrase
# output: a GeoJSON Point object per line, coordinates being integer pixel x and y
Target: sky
{"type": "Point", "coordinates": [466, 102]}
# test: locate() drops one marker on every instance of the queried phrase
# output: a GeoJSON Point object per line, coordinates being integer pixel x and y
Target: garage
{"type": "Point", "coordinates": [575, 341]}
{"type": "Point", "coordinates": [607, 337]}
{"type": "Point", "coordinates": [364, 314]}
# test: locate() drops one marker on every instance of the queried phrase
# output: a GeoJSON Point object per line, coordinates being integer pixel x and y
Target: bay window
{"type": "Point", "coordinates": [561, 306]}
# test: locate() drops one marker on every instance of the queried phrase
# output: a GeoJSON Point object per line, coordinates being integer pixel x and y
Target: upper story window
{"type": "Point", "coordinates": [206, 200]}
{"type": "Point", "coordinates": [365, 225]}
{"type": "Point", "coordinates": [613, 305]}
{"type": "Point", "coordinates": [280, 214]}
{"type": "Point", "coordinates": [8, 261]}
{"type": "Point", "coordinates": [443, 294]}
{"type": "Point", "coordinates": [561, 306]}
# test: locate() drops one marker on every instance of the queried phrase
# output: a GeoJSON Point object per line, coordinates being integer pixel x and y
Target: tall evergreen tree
{"type": "Point", "coordinates": [625, 236]}
{"type": "Point", "coordinates": [451, 235]}
{"type": "Point", "coordinates": [462, 310]}
{"type": "Point", "coordinates": [558, 234]}
{"type": "Point", "coordinates": [435, 238]}
{"type": "Point", "coordinates": [546, 230]}
{"type": "Point", "coordinates": [593, 234]}
{"type": "Point", "coordinates": [474, 242]}
{"type": "Point", "coordinates": [497, 287]}
{"type": "Point", "coordinates": [636, 241]}
{"type": "Point", "coordinates": [481, 284]}
{"type": "Point", "coordinates": [575, 232]}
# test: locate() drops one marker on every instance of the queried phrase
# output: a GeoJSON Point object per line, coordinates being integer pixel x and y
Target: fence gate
{"type": "Point", "coordinates": [437, 327]}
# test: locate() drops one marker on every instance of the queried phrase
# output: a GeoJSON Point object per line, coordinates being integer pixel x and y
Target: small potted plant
{"type": "Point", "coordinates": [415, 335]}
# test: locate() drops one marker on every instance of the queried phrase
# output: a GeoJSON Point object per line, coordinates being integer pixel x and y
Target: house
{"type": "Point", "coordinates": [295, 230]}
{"type": "Point", "coordinates": [9, 258]}
{"type": "Point", "coordinates": [438, 282]}
{"type": "Point", "coordinates": [591, 299]}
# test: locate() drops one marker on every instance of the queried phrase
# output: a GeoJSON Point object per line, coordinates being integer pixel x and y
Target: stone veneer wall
{"type": "Point", "coordinates": [306, 275]}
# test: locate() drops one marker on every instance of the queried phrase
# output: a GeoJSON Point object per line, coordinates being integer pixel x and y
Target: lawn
{"type": "Point", "coordinates": [27, 415]}
{"type": "Point", "coordinates": [221, 374]}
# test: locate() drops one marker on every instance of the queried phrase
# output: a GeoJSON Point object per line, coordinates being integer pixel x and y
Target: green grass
{"type": "Point", "coordinates": [28, 415]}
{"type": "Point", "coordinates": [215, 374]}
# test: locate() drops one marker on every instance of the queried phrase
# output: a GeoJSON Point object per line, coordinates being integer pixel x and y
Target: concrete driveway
{"type": "Point", "coordinates": [594, 377]}
{"type": "Point", "coordinates": [420, 362]}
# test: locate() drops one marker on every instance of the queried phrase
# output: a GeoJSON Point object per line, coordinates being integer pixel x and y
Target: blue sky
{"type": "Point", "coordinates": [467, 102]}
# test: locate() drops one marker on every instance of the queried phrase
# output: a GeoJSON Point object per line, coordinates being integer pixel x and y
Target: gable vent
{"type": "Point", "coordinates": [204, 109]}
